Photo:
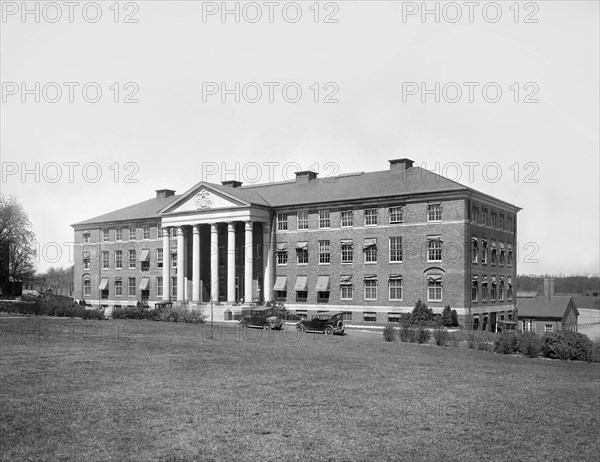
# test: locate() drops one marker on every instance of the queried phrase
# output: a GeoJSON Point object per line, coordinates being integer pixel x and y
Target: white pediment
{"type": "Point", "coordinates": [204, 199]}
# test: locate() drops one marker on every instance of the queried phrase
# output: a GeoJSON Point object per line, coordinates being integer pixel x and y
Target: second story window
{"type": "Point", "coordinates": [370, 250]}
{"type": "Point", "coordinates": [282, 222]}
{"type": "Point", "coordinates": [105, 260]}
{"type": "Point", "coordinates": [324, 219]}
{"type": "Point", "coordinates": [434, 212]}
{"type": "Point", "coordinates": [483, 216]}
{"type": "Point", "coordinates": [118, 233]}
{"type": "Point", "coordinates": [396, 215]}
{"type": "Point", "coordinates": [434, 249]}
{"type": "Point", "coordinates": [347, 217]}
{"type": "Point", "coordinates": [371, 217]}
{"type": "Point", "coordinates": [159, 258]}
{"type": "Point", "coordinates": [395, 249]}
{"type": "Point", "coordinates": [494, 253]}
{"type": "Point", "coordinates": [86, 237]}
{"type": "Point", "coordinates": [145, 231]}
{"type": "Point", "coordinates": [347, 251]}
{"type": "Point", "coordinates": [86, 260]}
{"type": "Point", "coordinates": [105, 235]}
{"type": "Point", "coordinates": [302, 253]}
{"type": "Point", "coordinates": [118, 259]}
{"type": "Point", "coordinates": [474, 213]}
{"type": "Point", "coordinates": [132, 232]}
{"type": "Point", "coordinates": [484, 250]}
{"type": "Point", "coordinates": [509, 223]}
{"type": "Point", "coordinates": [324, 252]}
{"type": "Point", "coordinates": [501, 221]}
{"type": "Point", "coordinates": [282, 253]}
{"type": "Point", "coordinates": [493, 224]}
{"type": "Point", "coordinates": [474, 250]}
{"type": "Point", "coordinates": [302, 219]}
{"type": "Point", "coordinates": [131, 259]}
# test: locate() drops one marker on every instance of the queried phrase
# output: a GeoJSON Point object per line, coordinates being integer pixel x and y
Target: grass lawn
{"type": "Point", "coordinates": [138, 390]}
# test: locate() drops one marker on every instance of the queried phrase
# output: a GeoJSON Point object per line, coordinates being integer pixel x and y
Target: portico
{"type": "Point", "coordinates": [223, 247]}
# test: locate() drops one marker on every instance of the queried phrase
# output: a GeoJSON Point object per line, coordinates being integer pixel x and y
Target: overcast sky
{"type": "Point", "coordinates": [361, 69]}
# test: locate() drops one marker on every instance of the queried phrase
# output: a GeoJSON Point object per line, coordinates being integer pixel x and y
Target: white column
{"type": "Point", "coordinates": [248, 261]}
{"type": "Point", "coordinates": [166, 270]}
{"type": "Point", "coordinates": [180, 265]}
{"type": "Point", "coordinates": [214, 263]}
{"type": "Point", "coordinates": [231, 262]}
{"type": "Point", "coordinates": [196, 264]}
{"type": "Point", "coordinates": [267, 262]}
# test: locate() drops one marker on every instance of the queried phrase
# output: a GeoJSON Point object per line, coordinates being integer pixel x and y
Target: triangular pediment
{"type": "Point", "coordinates": [204, 197]}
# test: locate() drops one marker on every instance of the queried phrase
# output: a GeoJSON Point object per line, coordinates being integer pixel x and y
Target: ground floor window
{"type": "Point", "coordinates": [475, 323]}
{"type": "Point", "coordinates": [369, 316]}
{"type": "Point", "coordinates": [159, 287]}
{"type": "Point", "coordinates": [280, 295]}
{"type": "Point", "coordinates": [371, 289]}
{"type": "Point", "coordinates": [174, 287]}
{"type": "Point", "coordinates": [549, 328]}
{"type": "Point", "coordinates": [301, 314]}
{"type": "Point", "coordinates": [301, 295]}
{"type": "Point", "coordinates": [346, 292]}
{"type": "Point", "coordinates": [323, 297]}
{"type": "Point", "coordinates": [528, 325]}
{"type": "Point", "coordinates": [347, 315]}
{"type": "Point", "coordinates": [87, 287]}
{"type": "Point", "coordinates": [104, 294]}
{"type": "Point", "coordinates": [396, 289]}
{"type": "Point", "coordinates": [434, 291]}
{"type": "Point", "coordinates": [394, 317]}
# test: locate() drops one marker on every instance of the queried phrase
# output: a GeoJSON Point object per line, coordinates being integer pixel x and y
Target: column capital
{"type": "Point", "coordinates": [213, 228]}
{"type": "Point", "coordinates": [231, 227]}
{"type": "Point", "coordinates": [165, 231]}
{"type": "Point", "coordinates": [180, 231]}
{"type": "Point", "coordinates": [248, 226]}
{"type": "Point", "coordinates": [196, 229]}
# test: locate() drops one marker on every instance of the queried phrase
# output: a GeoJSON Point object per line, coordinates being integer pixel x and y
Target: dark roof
{"type": "Point", "coordinates": [146, 209]}
{"type": "Point", "coordinates": [542, 307]}
{"type": "Point", "coordinates": [585, 301]}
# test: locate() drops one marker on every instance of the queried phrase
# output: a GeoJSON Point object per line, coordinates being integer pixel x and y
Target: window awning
{"type": "Point", "coordinates": [434, 278]}
{"type": "Point", "coordinates": [509, 246]}
{"type": "Point", "coordinates": [502, 246]}
{"type": "Point", "coordinates": [281, 246]}
{"type": "Point", "coordinates": [302, 245]}
{"type": "Point", "coordinates": [509, 281]}
{"type": "Point", "coordinates": [484, 241]}
{"type": "Point", "coordinates": [103, 284]}
{"type": "Point", "coordinates": [322, 284]}
{"type": "Point", "coordinates": [493, 244]}
{"type": "Point", "coordinates": [493, 280]}
{"type": "Point", "coordinates": [346, 242]}
{"type": "Point", "coordinates": [484, 280]}
{"type": "Point", "coordinates": [145, 284]}
{"type": "Point", "coordinates": [370, 277]}
{"type": "Point", "coordinates": [145, 255]}
{"type": "Point", "coordinates": [434, 238]}
{"type": "Point", "coordinates": [474, 278]}
{"type": "Point", "coordinates": [117, 278]}
{"type": "Point", "coordinates": [301, 283]}
{"type": "Point", "coordinates": [280, 283]}
{"type": "Point", "coordinates": [474, 239]}
{"type": "Point", "coordinates": [369, 242]}
{"type": "Point", "coordinates": [395, 277]}
{"type": "Point", "coordinates": [346, 280]}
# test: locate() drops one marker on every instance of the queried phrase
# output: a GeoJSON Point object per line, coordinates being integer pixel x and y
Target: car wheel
{"type": "Point", "coordinates": [300, 328]}
{"type": "Point", "coordinates": [329, 330]}
{"type": "Point", "coordinates": [266, 326]}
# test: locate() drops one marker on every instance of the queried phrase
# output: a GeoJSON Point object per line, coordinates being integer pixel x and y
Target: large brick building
{"type": "Point", "coordinates": [369, 244]}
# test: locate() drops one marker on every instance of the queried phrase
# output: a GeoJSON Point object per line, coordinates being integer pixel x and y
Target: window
{"type": "Point", "coordinates": [118, 288]}
{"type": "Point", "coordinates": [301, 296]}
{"type": "Point", "coordinates": [475, 323]}
{"type": "Point", "coordinates": [434, 212]}
{"type": "Point", "coordinates": [303, 219]}
{"type": "Point", "coordinates": [510, 256]}
{"type": "Point", "coordinates": [282, 222]}
{"type": "Point", "coordinates": [174, 287]}
{"type": "Point", "coordinates": [118, 259]}
{"type": "Point", "coordinates": [346, 315]}
{"type": "Point", "coordinates": [281, 295]}
{"type": "Point", "coordinates": [395, 249]}
{"type": "Point", "coordinates": [86, 237]}
{"type": "Point", "coordinates": [87, 287]}
{"type": "Point", "coordinates": [474, 213]}
{"type": "Point", "coordinates": [159, 258]}
{"type": "Point", "coordinates": [370, 251]}
{"type": "Point", "coordinates": [434, 290]}
{"type": "Point", "coordinates": [493, 223]}
{"type": "Point", "coordinates": [173, 233]}
{"type": "Point", "coordinates": [371, 217]}
{"type": "Point", "coordinates": [474, 250]}
{"type": "Point", "coordinates": [434, 249]}
{"type": "Point", "coordinates": [510, 223]}
{"type": "Point", "coordinates": [159, 287]}
{"type": "Point", "coordinates": [118, 233]}
{"type": "Point", "coordinates": [146, 265]}
{"type": "Point", "coordinates": [346, 292]}
{"type": "Point", "coordinates": [528, 325]}
{"type": "Point", "coordinates": [509, 291]}
{"type": "Point", "coordinates": [474, 290]}
{"type": "Point", "coordinates": [282, 257]}
{"type": "Point", "coordinates": [324, 219]}
{"type": "Point", "coordinates": [86, 262]}
{"type": "Point", "coordinates": [484, 251]}
{"type": "Point", "coordinates": [483, 216]}
{"type": "Point", "coordinates": [371, 289]}
{"type": "Point", "coordinates": [501, 291]}
{"type": "Point", "coordinates": [493, 292]}
{"type": "Point", "coordinates": [484, 289]}
{"type": "Point", "coordinates": [105, 260]}
{"type": "Point", "coordinates": [501, 221]}
{"type": "Point", "coordinates": [131, 259]}
{"type": "Point", "coordinates": [502, 259]}
{"type": "Point", "coordinates": [494, 253]}
{"type": "Point", "coordinates": [105, 234]}
{"type": "Point", "coordinates": [395, 289]}
{"type": "Point", "coordinates": [145, 231]}
{"type": "Point", "coordinates": [302, 255]}
{"type": "Point", "coordinates": [548, 328]}
{"type": "Point", "coordinates": [396, 215]}
{"type": "Point", "coordinates": [323, 296]}
{"type": "Point", "coordinates": [324, 252]}
{"type": "Point", "coordinates": [132, 232]}
{"type": "Point", "coordinates": [347, 218]}
{"type": "Point", "coordinates": [369, 316]}
{"type": "Point", "coordinates": [347, 251]}
{"type": "Point", "coordinates": [131, 286]}
{"type": "Point", "coordinates": [173, 259]}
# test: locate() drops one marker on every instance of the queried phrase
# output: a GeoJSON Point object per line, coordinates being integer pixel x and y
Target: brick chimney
{"type": "Point", "coordinates": [400, 165]}
{"type": "Point", "coordinates": [162, 193]}
{"type": "Point", "coordinates": [548, 288]}
{"type": "Point", "coordinates": [305, 176]}
{"type": "Point", "coordinates": [232, 183]}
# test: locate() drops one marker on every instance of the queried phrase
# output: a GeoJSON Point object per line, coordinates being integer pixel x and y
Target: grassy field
{"type": "Point", "coordinates": [143, 391]}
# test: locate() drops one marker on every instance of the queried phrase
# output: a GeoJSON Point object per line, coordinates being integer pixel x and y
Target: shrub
{"type": "Point", "coordinates": [454, 318]}
{"type": "Point", "coordinates": [506, 343]}
{"type": "Point", "coordinates": [446, 316]}
{"type": "Point", "coordinates": [441, 336]}
{"type": "Point", "coordinates": [594, 351]}
{"type": "Point", "coordinates": [567, 345]}
{"type": "Point", "coordinates": [421, 313]}
{"type": "Point", "coordinates": [470, 340]}
{"type": "Point", "coordinates": [389, 333]}
{"type": "Point", "coordinates": [482, 344]}
{"type": "Point", "coordinates": [530, 344]}
{"type": "Point", "coordinates": [423, 334]}
{"type": "Point", "coordinates": [282, 312]}
{"type": "Point", "coordinates": [406, 333]}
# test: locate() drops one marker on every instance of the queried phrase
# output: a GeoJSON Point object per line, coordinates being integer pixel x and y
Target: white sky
{"type": "Point", "coordinates": [171, 136]}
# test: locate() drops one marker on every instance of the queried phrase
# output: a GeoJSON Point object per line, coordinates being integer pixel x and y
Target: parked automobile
{"type": "Point", "coordinates": [262, 317]}
{"type": "Point", "coordinates": [329, 323]}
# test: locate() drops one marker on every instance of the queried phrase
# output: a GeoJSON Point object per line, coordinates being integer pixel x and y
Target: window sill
{"type": "Point", "coordinates": [370, 263]}
{"type": "Point", "coordinates": [395, 262]}
{"type": "Point", "coordinates": [347, 263]}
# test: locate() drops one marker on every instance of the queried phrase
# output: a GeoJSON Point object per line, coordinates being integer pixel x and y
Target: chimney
{"type": "Point", "coordinates": [305, 176]}
{"type": "Point", "coordinates": [400, 165]}
{"type": "Point", "coordinates": [162, 193]}
{"type": "Point", "coordinates": [232, 183]}
{"type": "Point", "coordinates": [548, 288]}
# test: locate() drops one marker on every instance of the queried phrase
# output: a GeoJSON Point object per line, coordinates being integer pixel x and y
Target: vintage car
{"type": "Point", "coordinates": [262, 317]}
{"type": "Point", "coordinates": [329, 323]}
